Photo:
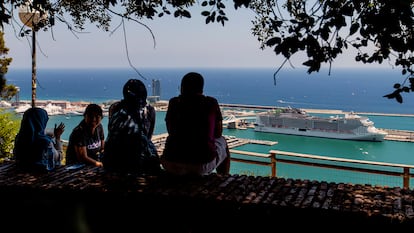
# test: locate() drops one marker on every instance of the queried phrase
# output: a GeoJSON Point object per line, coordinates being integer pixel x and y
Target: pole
{"type": "Point", "coordinates": [33, 67]}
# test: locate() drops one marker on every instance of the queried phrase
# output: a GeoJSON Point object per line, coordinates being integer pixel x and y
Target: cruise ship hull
{"type": "Point", "coordinates": [376, 137]}
{"type": "Point", "coordinates": [294, 121]}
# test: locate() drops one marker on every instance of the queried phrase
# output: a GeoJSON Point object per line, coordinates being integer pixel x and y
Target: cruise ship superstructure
{"type": "Point", "coordinates": [295, 121]}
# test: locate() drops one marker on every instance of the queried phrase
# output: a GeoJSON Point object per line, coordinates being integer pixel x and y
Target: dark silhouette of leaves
{"type": "Point", "coordinates": [323, 29]}
{"type": "Point", "coordinates": [395, 95]}
{"type": "Point", "coordinates": [399, 88]}
{"type": "Point", "coordinates": [380, 31]}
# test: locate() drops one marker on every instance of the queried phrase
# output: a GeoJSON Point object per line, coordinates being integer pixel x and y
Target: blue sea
{"type": "Point", "coordinates": [358, 90]}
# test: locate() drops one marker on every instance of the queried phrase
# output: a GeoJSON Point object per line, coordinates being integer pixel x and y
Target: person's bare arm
{"type": "Point", "coordinates": [57, 133]}
{"type": "Point", "coordinates": [82, 155]}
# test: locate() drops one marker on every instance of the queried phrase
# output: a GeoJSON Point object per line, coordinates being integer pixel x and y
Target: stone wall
{"type": "Point", "coordinates": [90, 200]}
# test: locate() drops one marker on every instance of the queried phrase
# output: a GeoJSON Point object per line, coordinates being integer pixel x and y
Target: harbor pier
{"type": "Point", "coordinates": [399, 135]}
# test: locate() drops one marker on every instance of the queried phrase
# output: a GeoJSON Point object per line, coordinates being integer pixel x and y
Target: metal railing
{"type": "Point", "coordinates": [276, 156]}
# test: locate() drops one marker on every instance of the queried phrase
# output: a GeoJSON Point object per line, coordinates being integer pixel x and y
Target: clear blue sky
{"type": "Point", "coordinates": [179, 43]}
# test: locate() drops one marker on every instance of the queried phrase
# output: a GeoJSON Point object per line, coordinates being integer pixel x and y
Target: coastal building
{"type": "Point", "coordinates": [156, 87]}
{"type": "Point", "coordinates": [53, 107]}
{"type": "Point", "coordinates": [17, 95]}
{"type": "Point", "coordinates": [156, 91]}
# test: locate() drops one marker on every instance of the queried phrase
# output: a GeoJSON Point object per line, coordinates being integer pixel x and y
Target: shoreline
{"type": "Point", "coordinates": [311, 110]}
{"type": "Point", "coordinates": [324, 111]}
{"type": "Point", "coordinates": [65, 107]}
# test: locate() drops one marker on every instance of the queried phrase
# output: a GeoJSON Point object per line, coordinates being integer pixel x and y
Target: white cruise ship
{"type": "Point", "coordinates": [295, 121]}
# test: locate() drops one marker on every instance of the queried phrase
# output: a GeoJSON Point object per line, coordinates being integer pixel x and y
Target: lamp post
{"type": "Point", "coordinates": [31, 18]}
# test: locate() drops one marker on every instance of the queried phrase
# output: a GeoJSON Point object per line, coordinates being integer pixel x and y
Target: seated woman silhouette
{"type": "Point", "coordinates": [128, 147]}
{"type": "Point", "coordinates": [195, 144]}
{"type": "Point", "coordinates": [33, 149]}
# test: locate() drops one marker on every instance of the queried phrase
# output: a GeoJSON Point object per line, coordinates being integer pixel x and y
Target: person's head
{"type": "Point", "coordinates": [135, 93]}
{"type": "Point", "coordinates": [31, 139]}
{"type": "Point", "coordinates": [93, 115]}
{"type": "Point", "coordinates": [34, 121]}
{"type": "Point", "coordinates": [192, 83]}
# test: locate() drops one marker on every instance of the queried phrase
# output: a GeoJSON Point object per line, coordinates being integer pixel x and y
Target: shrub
{"type": "Point", "coordinates": [9, 126]}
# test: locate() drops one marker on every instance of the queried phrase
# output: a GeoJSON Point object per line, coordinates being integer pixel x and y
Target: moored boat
{"type": "Point", "coordinates": [294, 121]}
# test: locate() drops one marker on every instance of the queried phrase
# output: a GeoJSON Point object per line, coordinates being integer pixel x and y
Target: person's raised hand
{"type": "Point", "coordinates": [58, 130]}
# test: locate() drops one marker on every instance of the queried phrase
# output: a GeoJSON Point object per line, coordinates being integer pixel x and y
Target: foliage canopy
{"type": "Point", "coordinates": [378, 30]}
{"type": "Point", "coordinates": [6, 91]}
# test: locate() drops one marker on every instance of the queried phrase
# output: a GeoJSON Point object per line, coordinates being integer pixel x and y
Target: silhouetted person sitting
{"type": "Point", "coordinates": [87, 139]}
{"type": "Point", "coordinates": [195, 144]}
{"type": "Point", "coordinates": [128, 147]}
{"type": "Point", "coordinates": [34, 150]}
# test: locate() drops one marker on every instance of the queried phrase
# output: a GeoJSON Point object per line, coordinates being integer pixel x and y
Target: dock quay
{"type": "Point", "coordinates": [399, 135]}
{"type": "Point", "coordinates": [231, 140]}
{"type": "Point", "coordinates": [159, 141]}
{"type": "Point", "coordinates": [392, 135]}
{"type": "Point", "coordinates": [262, 142]}
{"type": "Point", "coordinates": [235, 142]}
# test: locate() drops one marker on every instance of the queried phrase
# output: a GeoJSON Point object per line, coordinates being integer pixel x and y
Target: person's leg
{"type": "Point", "coordinates": [181, 169]}
{"type": "Point", "coordinates": [221, 164]}
{"type": "Point", "coordinates": [173, 168]}
{"type": "Point", "coordinates": [223, 167]}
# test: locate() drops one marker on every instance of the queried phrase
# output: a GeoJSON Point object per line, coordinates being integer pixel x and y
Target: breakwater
{"type": "Point", "coordinates": [63, 107]}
